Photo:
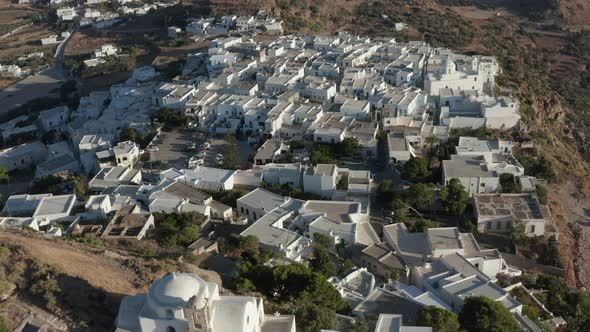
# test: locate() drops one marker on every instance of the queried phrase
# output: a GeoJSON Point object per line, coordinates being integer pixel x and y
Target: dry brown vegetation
{"type": "Point", "coordinates": [80, 284]}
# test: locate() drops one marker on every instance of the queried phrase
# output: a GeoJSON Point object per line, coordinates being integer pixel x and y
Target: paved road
{"type": "Point", "coordinates": [61, 48]}
{"type": "Point", "coordinates": [172, 149]}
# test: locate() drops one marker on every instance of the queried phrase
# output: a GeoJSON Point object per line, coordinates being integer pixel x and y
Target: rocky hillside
{"type": "Point", "coordinates": [73, 285]}
{"type": "Point", "coordinates": [576, 13]}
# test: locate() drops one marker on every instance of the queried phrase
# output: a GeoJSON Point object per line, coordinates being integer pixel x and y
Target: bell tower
{"type": "Point", "coordinates": [196, 314]}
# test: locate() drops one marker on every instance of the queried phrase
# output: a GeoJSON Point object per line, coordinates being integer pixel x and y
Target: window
{"type": "Point", "coordinates": [489, 225]}
{"type": "Point", "coordinates": [532, 228]}
{"type": "Point", "coordinates": [242, 209]}
{"type": "Point", "coordinates": [254, 213]}
{"type": "Point", "coordinates": [247, 212]}
{"type": "Point", "coordinates": [483, 185]}
{"type": "Point", "coordinates": [170, 329]}
{"type": "Point", "coordinates": [498, 225]}
{"type": "Point", "coordinates": [169, 313]}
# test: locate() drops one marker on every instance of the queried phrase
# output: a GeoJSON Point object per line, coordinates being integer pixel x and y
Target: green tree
{"type": "Point", "coordinates": [297, 282]}
{"type": "Point", "coordinates": [129, 134]}
{"type": "Point", "coordinates": [249, 242]}
{"type": "Point", "coordinates": [170, 118]}
{"type": "Point", "coordinates": [322, 154]}
{"type": "Point", "coordinates": [313, 318]}
{"type": "Point", "coordinates": [47, 184]}
{"type": "Point", "coordinates": [4, 327]}
{"type": "Point", "coordinates": [323, 240]}
{"type": "Point", "coordinates": [518, 234]}
{"type": "Point", "coordinates": [4, 174]}
{"type": "Point", "coordinates": [386, 192]}
{"type": "Point", "coordinates": [454, 198]}
{"type": "Point", "coordinates": [420, 195]}
{"type": "Point", "coordinates": [342, 183]}
{"type": "Point", "coordinates": [244, 285]}
{"type": "Point", "coordinates": [422, 224]}
{"type": "Point", "coordinates": [188, 235]}
{"type": "Point", "coordinates": [550, 254]}
{"type": "Point", "coordinates": [541, 192]}
{"type": "Point", "coordinates": [231, 152]}
{"type": "Point", "coordinates": [441, 320]}
{"type": "Point", "coordinates": [399, 209]}
{"type": "Point", "coordinates": [416, 168]}
{"type": "Point", "coordinates": [481, 314]}
{"type": "Point", "coordinates": [322, 262]}
{"type": "Point", "coordinates": [508, 183]}
{"type": "Point", "coordinates": [346, 266]}
{"type": "Point", "coordinates": [431, 142]}
{"type": "Point", "coordinates": [349, 147]}
{"type": "Point", "coordinates": [176, 229]}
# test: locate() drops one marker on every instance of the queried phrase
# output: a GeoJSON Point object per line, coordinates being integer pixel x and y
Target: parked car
{"type": "Point", "coordinates": [153, 148]}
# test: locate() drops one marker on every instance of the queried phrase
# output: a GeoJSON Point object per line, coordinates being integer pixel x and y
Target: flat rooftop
{"type": "Point", "coordinates": [185, 191]}
{"type": "Point", "coordinates": [519, 206]}
{"type": "Point", "coordinates": [336, 211]}
{"type": "Point", "coordinates": [444, 238]}
{"type": "Point", "coordinates": [263, 199]}
{"type": "Point", "coordinates": [461, 166]}
{"type": "Point", "coordinates": [55, 205]}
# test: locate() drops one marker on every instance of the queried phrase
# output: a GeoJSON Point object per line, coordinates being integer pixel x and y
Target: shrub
{"type": "Point", "coordinates": [176, 229]}
{"type": "Point", "coordinates": [485, 315]}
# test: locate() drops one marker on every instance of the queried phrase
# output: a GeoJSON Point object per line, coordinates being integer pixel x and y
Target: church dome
{"type": "Point", "coordinates": [177, 288]}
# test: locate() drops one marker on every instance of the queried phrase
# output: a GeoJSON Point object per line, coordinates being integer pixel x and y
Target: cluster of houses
{"type": "Point", "coordinates": [97, 57]}
{"type": "Point", "coordinates": [90, 15]}
{"type": "Point", "coordinates": [313, 88]}
{"type": "Point", "coordinates": [262, 21]}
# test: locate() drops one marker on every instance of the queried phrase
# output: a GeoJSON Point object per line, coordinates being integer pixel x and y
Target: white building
{"type": "Point", "coordinates": [321, 180]}
{"type": "Point", "coordinates": [44, 207]}
{"type": "Point", "coordinates": [479, 164]}
{"type": "Point", "coordinates": [126, 154]}
{"type": "Point", "coordinates": [23, 156]}
{"type": "Point", "coordinates": [183, 302]}
{"type": "Point", "coordinates": [423, 247]}
{"type": "Point", "coordinates": [54, 118]}
{"type": "Point", "coordinates": [174, 32]}
{"type": "Point", "coordinates": [105, 50]}
{"type": "Point", "coordinates": [453, 279]}
{"type": "Point", "coordinates": [52, 39]}
{"type": "Point", "coordinates": [500, 213]}
{"type": "Point", "coordinates": [10, 71]}
{"type": "Point", "coordinates": [66, 13]}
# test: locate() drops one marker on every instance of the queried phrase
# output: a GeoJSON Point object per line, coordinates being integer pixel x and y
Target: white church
{"type": "Point", "coordinates": [475, 73]}
{"type": "Point", "coordinates": [183, 302]}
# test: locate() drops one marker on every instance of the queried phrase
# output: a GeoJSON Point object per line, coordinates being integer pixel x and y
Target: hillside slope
{"type": "Point", "coordinates": [77, 284]}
